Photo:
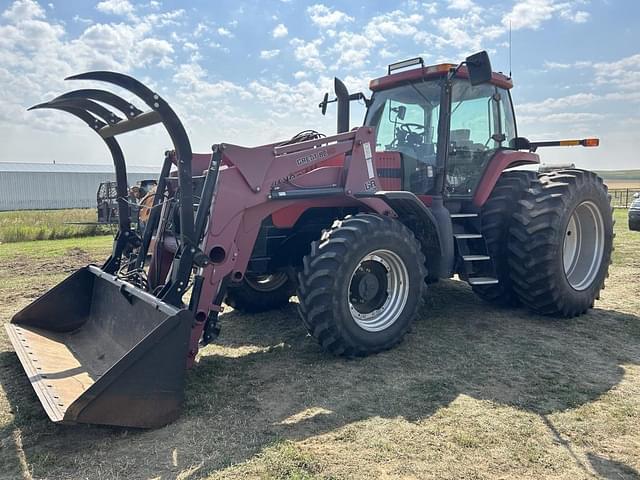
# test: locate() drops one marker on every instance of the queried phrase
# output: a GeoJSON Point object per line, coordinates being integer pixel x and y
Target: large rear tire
{"type": "Point", "coordinates": [260, 293]}
{"type": "Point", "coordinates": [362, 285]}
{"type": "Point", "coordinates": [560, 243]}
{"type": "Point", "coordinates": [495, 221]}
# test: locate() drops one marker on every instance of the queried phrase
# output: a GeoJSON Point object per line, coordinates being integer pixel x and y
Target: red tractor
{"type": "Point", "coordinates": [358, 223]}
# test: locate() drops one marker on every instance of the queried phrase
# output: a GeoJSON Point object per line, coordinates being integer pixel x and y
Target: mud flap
{"type": "Point", "coordinates": [99, 350]}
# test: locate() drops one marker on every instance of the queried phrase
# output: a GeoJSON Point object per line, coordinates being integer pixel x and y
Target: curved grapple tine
{"type": "Point", "coordinates": [86, 117]}
{"type": "Point", "coordinates": [174, 128]}
{"type": "Point", "coordinates": [108, 98]}
{"type": "Point", "coordinates": [114, 148]}
{"type": "Point", "coordinates": [124, 81]}
{"type": "Point", "coordinates": [89, 105]}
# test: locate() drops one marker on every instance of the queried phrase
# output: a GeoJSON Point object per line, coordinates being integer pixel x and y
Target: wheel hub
{"type": "Point", "coordinates": [368, 290]}
{"type": "Point", "coordinates": [266, 283]}
{"type": "Point", "coordinates": [378, 290]}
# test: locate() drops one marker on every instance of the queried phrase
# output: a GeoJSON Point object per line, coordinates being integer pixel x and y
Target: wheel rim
{"type": "Point", "coordinates": [378, 290]}
{"type": "Point", "coordinates": [583, 247]}
{"type": "Point", "coordinates": [266, 283]}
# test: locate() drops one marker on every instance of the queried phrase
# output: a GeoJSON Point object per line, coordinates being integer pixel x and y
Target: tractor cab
{"type": "Point", "coordinates": [445, 125]}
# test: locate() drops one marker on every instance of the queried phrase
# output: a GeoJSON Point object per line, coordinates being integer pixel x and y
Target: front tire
{"type": "Point", "coordinates": [260, 293]}
{"type": "Point", "coordinates": [560, 243]}
{"type": "Point", "coordinates": [361, 285]}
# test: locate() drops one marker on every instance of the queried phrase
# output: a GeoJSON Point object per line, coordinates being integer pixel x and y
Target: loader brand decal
{"type": "Point", "coordinates": [370, 185]}
{"type": "Point", "coordinates": [312, 157]}
{"type": "Point", "coordinates": [366, 146]}
{"type": "Point", "coordinates": [291, 176]}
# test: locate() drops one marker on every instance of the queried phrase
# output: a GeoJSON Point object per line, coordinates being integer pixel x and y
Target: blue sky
{"type": "Point", "coordinates": [253, 72]}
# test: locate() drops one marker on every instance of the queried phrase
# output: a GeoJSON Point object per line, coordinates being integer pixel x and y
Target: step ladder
{"type": "Point", "coordinates": [473, 261]}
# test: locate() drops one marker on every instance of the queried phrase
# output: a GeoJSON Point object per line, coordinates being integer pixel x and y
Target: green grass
{"type": "Point", "coordinates": [47, 225]}
{"type": "Point", "coordinates": [94, 246]}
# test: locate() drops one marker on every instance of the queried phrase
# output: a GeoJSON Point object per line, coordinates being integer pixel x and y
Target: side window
{"type": "Point", "coordinates": [508, 124]}
{"type": "Point", "coordinates": [477, 130]}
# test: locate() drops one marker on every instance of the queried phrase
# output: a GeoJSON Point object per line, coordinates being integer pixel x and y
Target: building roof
{"type": "Point", "coordinates": [72, 168]}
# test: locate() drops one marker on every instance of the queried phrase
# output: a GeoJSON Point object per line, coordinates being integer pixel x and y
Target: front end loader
{"type": "Point", "coordinates": [357, 224]}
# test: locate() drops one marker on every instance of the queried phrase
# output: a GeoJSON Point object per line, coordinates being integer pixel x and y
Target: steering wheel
{"type": "Point", "coordinates": [409, 128]}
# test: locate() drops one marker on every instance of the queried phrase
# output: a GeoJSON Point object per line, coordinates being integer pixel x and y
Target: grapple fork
{"type": "Point", "coordinates": [96, 348]}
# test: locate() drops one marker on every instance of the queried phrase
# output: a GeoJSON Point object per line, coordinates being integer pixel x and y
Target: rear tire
{"type": "Point", "coordinates": [560, 243]}
{"type": "Point", "coordinates": [344, 287]}
{"type": "Point", "coordinates": [260, 293]}
{"type": "Point", "coordinates": [495, 220]}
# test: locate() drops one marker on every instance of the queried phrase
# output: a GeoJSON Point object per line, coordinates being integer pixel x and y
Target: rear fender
{"type": "Point", "coordinates": [502, 160]}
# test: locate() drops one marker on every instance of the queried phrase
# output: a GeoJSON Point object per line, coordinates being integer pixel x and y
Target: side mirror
{"type": "Point", "coordinates": [400, 112]}
{"type": "Point", "coordinates": [520, 143]}
{"type": "Point", "coordinates": [479, 68]}
{"type": "Point", "coordinates": [323, 103]}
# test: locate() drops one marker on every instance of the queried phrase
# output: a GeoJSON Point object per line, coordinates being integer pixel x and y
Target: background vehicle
{"type": "Point", "coordinates": [357, 222]}
{"type": "Point", "coordinates": [107, 200]}
{"type": "Point", "coordinates": [634, 214]}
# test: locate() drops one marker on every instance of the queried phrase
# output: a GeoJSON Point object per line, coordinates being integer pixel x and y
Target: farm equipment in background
{"type": "Point", "coordinates": [358, 223]}
{"type": "Point", "coordinates": [138, 196]}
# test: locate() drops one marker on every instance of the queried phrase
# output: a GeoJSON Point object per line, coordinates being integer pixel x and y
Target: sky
{"type": "Point", "coordinates": [253, 72]}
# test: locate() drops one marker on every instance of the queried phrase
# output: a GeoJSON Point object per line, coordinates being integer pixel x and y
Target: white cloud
{"type": "Point", "coordinates": [280, 31]}
{"type": "Point", "coordinates": [623, 73]}
{"type": "Point", "coordinates": [223, 32]}
{"type": "Point", "coordinates": [269, 54]}
{"type": "Point", "coordinates": [22, 10]}
{"type": "Point", "coordinates": [353, 49]}
{"type": "Point", "coordinates": [552, 104]}
{"type": "Point", "coordinates": [565, 66]}
{"type": "Point", "coordinates": [533, 13]}
{"type": "Point", "coordinates": [200, 29]}
{"type": "Point", "coordinates": [323, 16]}
{"type": "Point", "coordinates": [308, 53]}
{"type": "Point", "coordinates": [116, 7]}
{"type": "Point", "coordinates": [461, 4]}
{"type": "Point", "coordinates": [568, 118]}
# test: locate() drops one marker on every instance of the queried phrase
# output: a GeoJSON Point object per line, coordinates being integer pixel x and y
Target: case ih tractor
{"type": "Point", "coordinates": [358, 223]}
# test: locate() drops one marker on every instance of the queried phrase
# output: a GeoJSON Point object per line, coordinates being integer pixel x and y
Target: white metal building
{"type": "Point", "coordinates": [50, 186]}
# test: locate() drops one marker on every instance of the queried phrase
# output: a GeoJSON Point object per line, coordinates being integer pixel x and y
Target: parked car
{"type": "Point", "coordinates": [634, 213]}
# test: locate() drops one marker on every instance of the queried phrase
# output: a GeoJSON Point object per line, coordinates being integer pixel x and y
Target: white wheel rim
{"type": "Point", "coordinates": [392, 276]}
{"type": "Point", "coordinates": [583, 247]}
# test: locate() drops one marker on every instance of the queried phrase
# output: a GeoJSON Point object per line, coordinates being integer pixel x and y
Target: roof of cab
{"type": "Point", "coordinates": [432, 71]}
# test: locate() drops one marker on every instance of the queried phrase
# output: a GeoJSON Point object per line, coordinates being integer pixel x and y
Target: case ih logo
{"type": "Point", "coordinates": [312, 157]}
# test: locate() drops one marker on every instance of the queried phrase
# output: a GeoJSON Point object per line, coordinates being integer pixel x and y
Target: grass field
{"type": "Point", "coordinates": [474, 392]}
{"type": "Point", "coordinates": [47, 225]}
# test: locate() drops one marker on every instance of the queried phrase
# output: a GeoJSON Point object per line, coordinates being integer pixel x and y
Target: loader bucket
{"type": "Point", "coordinates": [99, 350]}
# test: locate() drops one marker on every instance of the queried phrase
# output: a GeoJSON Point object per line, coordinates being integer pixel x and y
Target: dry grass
{"type": "Point", "coordinates": [618, 184]}
{"type": "Point", "coordinates": [474, 392]}
{"type": "Point", "coordinates": [48, 225]}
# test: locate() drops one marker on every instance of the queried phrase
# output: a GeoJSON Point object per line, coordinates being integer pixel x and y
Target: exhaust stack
{"type": "Point", "coordinates": [342, 96]}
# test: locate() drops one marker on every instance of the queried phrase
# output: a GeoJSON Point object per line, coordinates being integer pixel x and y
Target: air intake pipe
{"type": "Point", "coordinates": [342, 96]}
